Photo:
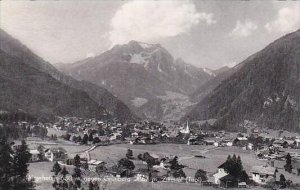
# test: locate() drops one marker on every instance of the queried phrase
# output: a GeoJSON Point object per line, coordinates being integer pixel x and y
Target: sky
{"type": "Point", "coordinates": [208, 34]}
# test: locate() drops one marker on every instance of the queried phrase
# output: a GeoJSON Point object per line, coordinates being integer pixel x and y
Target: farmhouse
{"type": "Point", "coordinates": [35, 155]}
{"type": "Point", "coordinates": [263, 174]}
{"type": "Point", "coordinates": [220, 174]}
{"type": "Point", "coordinates": [56, 154]}
{"type": "Point", "coordinates": [240, 141]}
{"type": "Point", "coordinates": [228, 181]}
{"type": "Point", "coordinates": [95, 165]}
{"type": "Point", "coordinates": [297, 143]}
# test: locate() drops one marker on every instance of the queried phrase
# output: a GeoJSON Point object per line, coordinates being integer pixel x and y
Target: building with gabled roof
{"type": "Point", "coordinates": [263, 174]}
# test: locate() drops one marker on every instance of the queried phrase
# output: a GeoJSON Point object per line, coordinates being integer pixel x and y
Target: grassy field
{"type": "Point", "coordinates": [111, 154]}
{"type": "Point", "coordinates": [214, 156]}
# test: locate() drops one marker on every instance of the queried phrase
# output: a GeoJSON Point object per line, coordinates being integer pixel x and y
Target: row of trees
{"type": "Point", "coordinates": [234, 167]}
{"type": "Point", "coordinates": [83, 140]}
{"type": "Point", "coordinates": [14, 131]}
{"type": "Point", "coordinates": [14, 167]}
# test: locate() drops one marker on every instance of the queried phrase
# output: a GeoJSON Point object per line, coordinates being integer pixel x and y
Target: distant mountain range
{"type": "Point", "coordinates": [145, 76]}
{"type": "Point", "coordinates": [265, 88]}
{"type": "Point", "coordinates": [31, 84]}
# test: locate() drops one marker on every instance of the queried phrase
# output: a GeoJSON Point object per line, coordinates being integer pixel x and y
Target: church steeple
{"type": "Point", "coordinates": [186, 130]}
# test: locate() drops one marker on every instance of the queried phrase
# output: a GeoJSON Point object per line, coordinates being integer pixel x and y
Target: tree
{"type": "Point", "coordinates": [288, 166]}
{"type": "Point", "coordinates": [21, 159]}
{"type": "Point", "coordinates": [282, 179]}
{"type": "Point", "coordinates": [56, 168]}
{"type": "Point", "coordinates": [91, 138]}
{"type": "Point", "coordinates": [140, 157]}
{"type": "Point", "coordinates": [64, 172]}
{"type": "Point", "coordinates": [5, 164]}
{"type": "Point", "coordinates": [179, 174]}
{"type": "Point", "coordinates": [129, 154]}
{"type": "Point", "coordinates": [96, 186]}
{"type": "Point", "coordinates": [126, 164]}
{"type": "Point", "coordinates": [175, 165]}
{"type": "Point", "coordinates": [149, 160]}
{"type": "Point", "coordinates": [201, 174]}
{"type": "Point", "coordinates": [85, 139]}
{"type": "Point", "coordinates": [67, 136]}
{"type": "Point", "coordinates": [96, 140]}
{"type": "Point", "coordinates": [244, 176]}
{"type": "Point", "coordinates": [55, 184]}
{"type": "Point", "coordinates": [77, 162]}
{"type": "Point", "coordinates": [91, 185]}
{"type": "Point", "coordinates": [234, 167]}
{"type": "Point", "coordinates": [77, 171]}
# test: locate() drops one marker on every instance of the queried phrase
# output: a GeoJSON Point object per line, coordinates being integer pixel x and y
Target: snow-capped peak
{"type": "Point", "coordinates": [145, 45]}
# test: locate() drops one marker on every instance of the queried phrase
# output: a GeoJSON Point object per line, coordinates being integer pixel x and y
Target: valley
{"type": "Point", "coordinates": [149, 95]}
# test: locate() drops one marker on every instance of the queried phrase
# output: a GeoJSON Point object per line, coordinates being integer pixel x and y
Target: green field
{"type": "Point", "coordinates": [111, 154]}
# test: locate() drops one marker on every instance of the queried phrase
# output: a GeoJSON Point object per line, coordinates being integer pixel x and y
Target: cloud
{"type": "Point", "coordinates": [287, 20]}
{"type": "Point", "coordinates": [150, 21]}
{"type": "Point", "coordinates": [243, 29]}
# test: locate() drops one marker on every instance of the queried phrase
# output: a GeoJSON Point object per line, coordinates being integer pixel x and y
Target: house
{"type": "Point", "coordinates": [220, 174]}
{"type": "Point", "coordinates": [263, 174]}
{"type": "Point", "coordinates": [56, 154]}
{"type": "Point", "coordinates": [96, 165]}
{"type": "Point", "coordinates": [297, 143]}
{"type": "Point", "coordinates": [228, 181]}
{"type": "Point", "coordinates": [240, 141]}
{"type": "Point", "coordinates": [35, 155]}
{"type": "Point", "coordinates": [115, 136]}
{"type": "Point", "coordinates": [209, 142]}
{"type": "Point", "coordinates": [134, 135]}
{"type": "Point", "coordinates": [141, 177]}
{"type": "Point", "coordinates": [242, 185]}
{"type": "Point", "coordinates": [250, 146]}
{"type": "Point", "coordinates": [158, 174]}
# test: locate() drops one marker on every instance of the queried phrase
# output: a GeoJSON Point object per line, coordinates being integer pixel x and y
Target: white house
{"type": "Point", "coordinates": [56, 154]}
{"type": "Point", "coordinates": [220, 174]}
{"type": "Point", "coordinates": [263, 174]}
{"type": "Point", "coordinates": [250, 146]}
{"type": "Point", "coordinates": [94, 164]}
{"type": "Point", "coordinates": [114, 136]}
{"type": "Point", "coordinates": [35, 155]}
{"type": "Point", "coordinates": [229, 143]}
{"type": "Point", "coordinates": [134, 135]}
{"type": "Point", "coordinates": [297, 143]}
{"type": "Point", "coordinates": [216, 144]}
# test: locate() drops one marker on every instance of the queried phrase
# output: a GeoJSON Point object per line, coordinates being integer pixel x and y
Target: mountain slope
{"type": "Point", "coordinates": [140, 74]}
{"type": "Point", "coordinates": [39, 94]}
{"type": "Point", "coordinates": [64, 88]}
{"type": "Point", "coordinates": [265, 89]}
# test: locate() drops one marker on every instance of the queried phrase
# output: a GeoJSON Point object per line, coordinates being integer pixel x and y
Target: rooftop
{"type": "Point", "coordinates": [263, 170]}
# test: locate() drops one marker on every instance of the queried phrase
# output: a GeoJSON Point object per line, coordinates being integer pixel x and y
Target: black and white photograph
{"type": "Point", "coordinates": [149, 94]}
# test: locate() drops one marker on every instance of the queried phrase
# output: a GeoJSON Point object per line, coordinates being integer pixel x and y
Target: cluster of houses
{"type": "Point", "coordinates": [151, 133]}
{"type": "Point", "coordinates": [259, 174]}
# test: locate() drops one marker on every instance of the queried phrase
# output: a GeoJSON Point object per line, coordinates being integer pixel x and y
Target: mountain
{"type": "Point", "coordinates": [31, 84]}
{"type": "Point", "coordinates": [220, 75]}
{"type": "Point", "coordinates": [265, 90]}
{"type": "Point", "coordinates": [145, 76]}
{"type": "Point", "coordinates": [221, 70]}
